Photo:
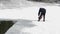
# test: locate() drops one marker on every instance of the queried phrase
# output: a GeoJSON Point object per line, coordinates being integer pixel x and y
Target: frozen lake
{"type": "Point", "coordinates": [28, 23]}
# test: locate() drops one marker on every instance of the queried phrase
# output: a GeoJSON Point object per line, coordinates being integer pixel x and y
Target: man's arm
{"type": "Point", "coordinates": [38, 13]}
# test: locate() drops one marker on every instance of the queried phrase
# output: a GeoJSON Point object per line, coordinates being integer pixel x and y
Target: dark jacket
{"type": "Point", "coordinates": [42, 11]}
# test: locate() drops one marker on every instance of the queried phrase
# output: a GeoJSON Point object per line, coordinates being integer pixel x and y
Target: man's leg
{"type": "Point", "coordinates": [43, 17]}
{"type": "Point", "coordinates": [39, 18]}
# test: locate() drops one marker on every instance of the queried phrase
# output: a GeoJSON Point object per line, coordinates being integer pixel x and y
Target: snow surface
{"type": "Point", "coordinates": [28, 23]}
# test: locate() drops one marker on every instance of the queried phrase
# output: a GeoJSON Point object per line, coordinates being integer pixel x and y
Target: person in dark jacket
{"type": "Point", "coordinates": [41, 13]}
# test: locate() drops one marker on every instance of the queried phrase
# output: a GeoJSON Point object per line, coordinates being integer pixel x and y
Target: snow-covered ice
{"type": "Point", "coordinates": [50, 26]}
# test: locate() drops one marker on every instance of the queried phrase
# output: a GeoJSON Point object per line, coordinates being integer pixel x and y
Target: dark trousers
{"type": "Point", "coordinates": [40, 16]}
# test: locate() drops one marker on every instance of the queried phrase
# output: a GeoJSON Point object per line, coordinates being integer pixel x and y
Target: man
{"type": "Point", "coordinates": [41, 13]}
